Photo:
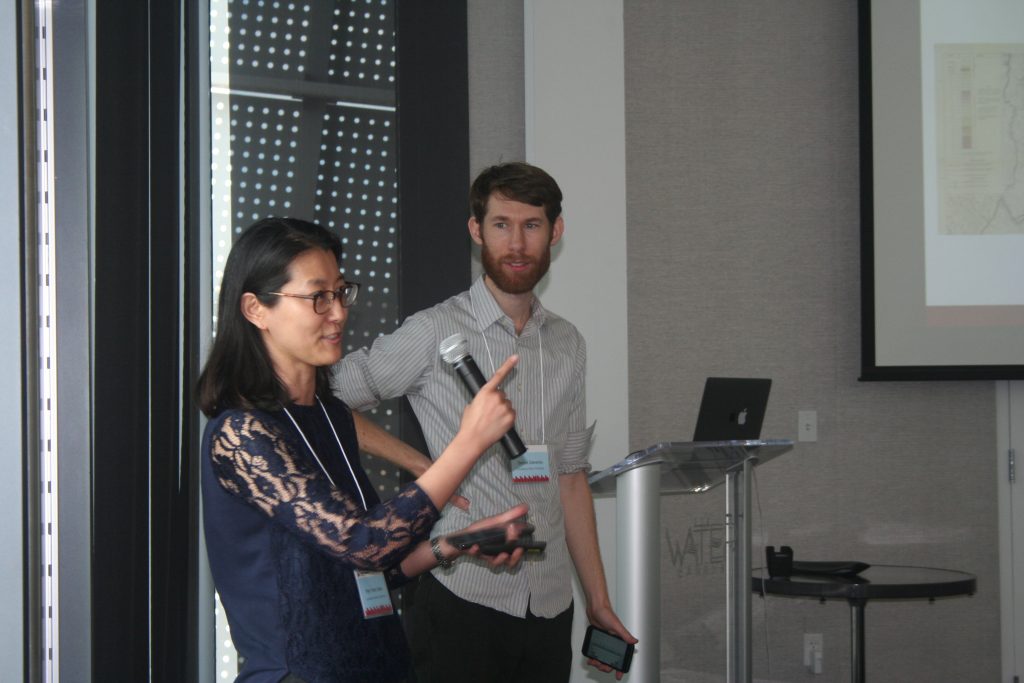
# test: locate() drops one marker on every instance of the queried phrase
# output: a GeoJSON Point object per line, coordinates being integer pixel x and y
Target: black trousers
{"type": "Point", "coordinates": [456, 641]}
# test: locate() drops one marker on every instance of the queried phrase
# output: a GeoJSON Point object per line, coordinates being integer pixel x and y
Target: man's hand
{"type": "Point", "coordinates": [604, 618]}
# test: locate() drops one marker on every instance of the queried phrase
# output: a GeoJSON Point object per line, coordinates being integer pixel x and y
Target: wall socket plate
{"type": "Point", "coordinates": [807, 425]}
{"type": "Point", "coordinates": [814, 651]}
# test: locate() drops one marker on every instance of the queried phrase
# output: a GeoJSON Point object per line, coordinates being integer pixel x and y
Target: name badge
{"type": "Point", "coordinates": [373, 594]}
{"type": "Point", "coordinates": [532, 466]}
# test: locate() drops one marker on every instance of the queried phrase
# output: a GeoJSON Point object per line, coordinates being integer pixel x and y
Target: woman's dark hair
{"type": "Point", "coordinates": [239, 372]}
{"type": "Point", "coordinates": [520, 182]}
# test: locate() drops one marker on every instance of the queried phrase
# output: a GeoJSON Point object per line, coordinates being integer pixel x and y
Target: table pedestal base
{"type": "Point", "coordinates": [857, 639]}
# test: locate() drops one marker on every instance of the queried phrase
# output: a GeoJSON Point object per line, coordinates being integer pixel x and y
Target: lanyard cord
{"type": "Point", "coordinates": [317, 458]}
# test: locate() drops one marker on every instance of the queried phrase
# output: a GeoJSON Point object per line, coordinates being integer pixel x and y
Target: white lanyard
{"type": "Point", "coordinates": [540, 348]}
{"type": "Point", "coordinates": [317, 458]}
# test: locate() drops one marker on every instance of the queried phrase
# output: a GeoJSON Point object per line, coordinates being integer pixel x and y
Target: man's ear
{"type": "Point", "coordinates": [474, 230]}
{"type": "Point", "coordinates": [253, 310]}
{"type": "Point", "coordinates": [556, 231]}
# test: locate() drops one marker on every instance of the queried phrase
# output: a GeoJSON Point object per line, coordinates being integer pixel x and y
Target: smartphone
{"type": "Point", "coordinates": [493, 540]}
{"type": "Point", "coordinates": [607, 648]}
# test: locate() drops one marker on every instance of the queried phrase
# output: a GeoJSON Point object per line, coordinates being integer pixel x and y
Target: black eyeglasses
{"type": "Point", "coordinates": [324, 299]}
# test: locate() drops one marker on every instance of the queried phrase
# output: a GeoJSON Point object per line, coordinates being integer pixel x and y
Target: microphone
{"type": "Point", "coordinates": [455, 351]}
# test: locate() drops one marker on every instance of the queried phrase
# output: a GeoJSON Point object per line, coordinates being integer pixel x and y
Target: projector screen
{"type": "Point", "coordinates": [942, 189]}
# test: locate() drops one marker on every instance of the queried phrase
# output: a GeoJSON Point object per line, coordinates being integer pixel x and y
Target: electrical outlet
{"type": "Point", "coordinates": [807, 425]}
{"type": "Point", "coordinates": [814, 652]}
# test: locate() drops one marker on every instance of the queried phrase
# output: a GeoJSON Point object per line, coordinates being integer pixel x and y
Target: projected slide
{"type": "Point", "coordinates": [946, 203]}
{"type": "Point", "coordinates": [980, 121]}
{"type": "Point", "coordinates": [978, 196]}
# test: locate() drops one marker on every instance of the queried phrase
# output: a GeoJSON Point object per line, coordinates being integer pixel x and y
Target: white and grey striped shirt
{"type": "Point", "coordinates": [547, 390]}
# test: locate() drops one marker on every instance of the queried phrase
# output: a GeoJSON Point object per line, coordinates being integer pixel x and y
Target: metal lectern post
{"type": "Point", "coordinates": [737, 568]}
{"type": "Point", "coordinates": [638, 483]}
{"type": "Point", "coordinates": [638, 566]}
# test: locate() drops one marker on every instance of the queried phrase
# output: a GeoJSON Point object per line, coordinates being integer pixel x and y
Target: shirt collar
{"type": "Point", "coordinates": [486, 310]}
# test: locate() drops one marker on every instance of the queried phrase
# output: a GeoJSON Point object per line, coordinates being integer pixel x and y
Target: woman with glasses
{"type": "Point", "coordinates": [301, 549]}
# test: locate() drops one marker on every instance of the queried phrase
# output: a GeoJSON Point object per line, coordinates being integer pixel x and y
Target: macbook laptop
{"type": "Point", "coordinates": [732, 409]}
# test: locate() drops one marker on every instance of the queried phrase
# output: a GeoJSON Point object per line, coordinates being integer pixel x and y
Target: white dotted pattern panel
{"type": "Point", "coordinates": [272, 38]}
{"type": "Point", "coordinates": [269, 36]}
{"type": "Point", "coordinates": [357, 195]}
{"type": "Point", "coordinates": [362, 46]}
{"type": "Point", "coordinates": [257, 162]}
{"type": "Point", "coordinates": [263, 158]}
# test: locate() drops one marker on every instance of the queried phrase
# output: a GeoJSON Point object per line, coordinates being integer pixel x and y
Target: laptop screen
{"type": "Point", "coordinates": [732, 409]}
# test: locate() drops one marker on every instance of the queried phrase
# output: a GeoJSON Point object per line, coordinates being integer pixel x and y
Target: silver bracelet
{"type": "Point", "coordinates": [435, 547]}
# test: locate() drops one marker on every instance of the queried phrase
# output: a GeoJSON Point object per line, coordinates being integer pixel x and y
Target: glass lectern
{"type": "Point", "coordinates": [637, 483]}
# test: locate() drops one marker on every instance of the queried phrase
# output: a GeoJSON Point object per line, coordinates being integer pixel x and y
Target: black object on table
{"type": "Point", "coordinates": [877, 582]}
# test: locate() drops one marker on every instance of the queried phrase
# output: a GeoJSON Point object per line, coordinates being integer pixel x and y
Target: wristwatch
{"type": "Point", "coordinates": [435, 547]}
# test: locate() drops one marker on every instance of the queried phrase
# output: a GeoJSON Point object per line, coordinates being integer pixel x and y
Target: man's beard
{"type": "Point", "coordinates": [515, 283]}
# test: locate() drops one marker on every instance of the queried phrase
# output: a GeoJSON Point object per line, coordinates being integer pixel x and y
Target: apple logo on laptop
{"type": "Point", "coordinates": [740, 418]}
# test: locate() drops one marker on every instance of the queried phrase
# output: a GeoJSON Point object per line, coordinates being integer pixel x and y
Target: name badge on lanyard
{"type": "Point", "coordinates": [373, 594]}
{"type": "Point", "coordinates": [373, 589]}
{"type": "Point", "coordinates": [533, 466]}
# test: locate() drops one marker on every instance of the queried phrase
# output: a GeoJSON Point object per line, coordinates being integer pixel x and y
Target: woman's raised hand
{"type": "Point", "coordinates": [484, 421]}
{"type": "Point", "coordinates": [490, 414]}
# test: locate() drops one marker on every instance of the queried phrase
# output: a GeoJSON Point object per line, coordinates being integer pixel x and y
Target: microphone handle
{"type": "Point", "coordinates": [470, 373]}
{"type": "Point", "coordinates": [474, 380]}
{"type": "Point", "coordinates": [513, 445]}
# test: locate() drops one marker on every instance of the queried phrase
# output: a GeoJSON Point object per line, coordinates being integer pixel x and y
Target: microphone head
{"type": "Point", "coordinates": [454, 348]}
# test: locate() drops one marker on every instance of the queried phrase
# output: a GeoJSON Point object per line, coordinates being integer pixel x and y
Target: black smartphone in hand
{"type": "Point", "coordinates": [494, 540]}
{"type": "Point", "coordinates": [607, 648]}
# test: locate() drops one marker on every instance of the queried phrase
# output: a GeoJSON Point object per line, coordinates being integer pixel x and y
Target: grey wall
{"type": "Point", "coordinates": [742, 191]}
{"type": "Point", "coordinates": [497, 131]}
{"type": "Point", "coordinates": [743, 259]}
{"type": "Point", "coordinates": [497, 128]}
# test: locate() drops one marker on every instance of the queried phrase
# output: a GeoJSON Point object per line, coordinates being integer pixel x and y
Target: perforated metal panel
{"type": "Point", "coordinates": [305, 153]}
{"type": "Point", "coordinates": [269, 37]}
{"type": "Point", "coordinates": [277, 39]}
{"type": "Point", "coordinates": [263, 155]}
{"type": "Point", "coordinates": [302, 101]}
{"type": "Point", "coordinates": [357, 194]}
{"type": "Point", "coordinates": [362, 49]}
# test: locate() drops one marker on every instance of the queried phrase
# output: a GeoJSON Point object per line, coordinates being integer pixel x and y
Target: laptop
{"type": "Point", "coordinates": [732, 409]}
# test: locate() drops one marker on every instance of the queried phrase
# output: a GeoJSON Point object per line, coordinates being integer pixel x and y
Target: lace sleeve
{"type": "Point", "coordinates": [253, 460]}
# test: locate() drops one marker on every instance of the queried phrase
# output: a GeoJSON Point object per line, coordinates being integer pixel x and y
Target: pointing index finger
{"type": "Point", "coordinates": [502, 372]}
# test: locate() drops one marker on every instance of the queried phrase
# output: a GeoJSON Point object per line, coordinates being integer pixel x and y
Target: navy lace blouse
{"type": "Point", "coordinates": [283, 543]}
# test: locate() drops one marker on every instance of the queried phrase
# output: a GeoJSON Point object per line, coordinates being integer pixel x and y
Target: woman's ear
{"type": "Point", "coordinates": [253, 310]}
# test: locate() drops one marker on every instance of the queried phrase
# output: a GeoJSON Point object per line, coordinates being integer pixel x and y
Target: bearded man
{"type": "Point", "coordinates": [470, 622]}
